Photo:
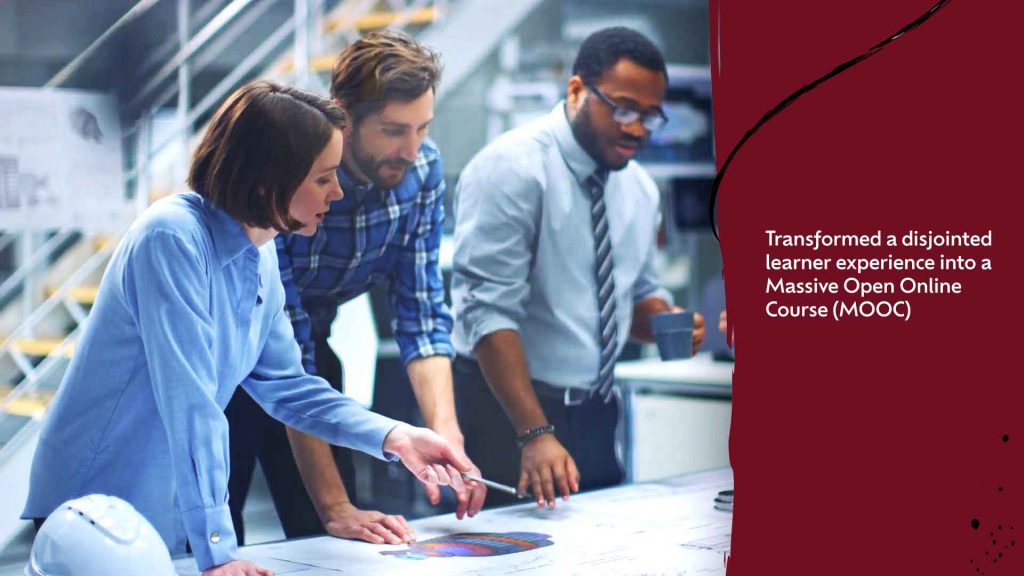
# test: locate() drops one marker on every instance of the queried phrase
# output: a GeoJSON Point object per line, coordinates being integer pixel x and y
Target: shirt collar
{"type": "Point", "coordinates": [229, 237]}
{"type": "Point", "coordinates": [350, 185]}
{"type": "Point", "coordinates": [580, 163]}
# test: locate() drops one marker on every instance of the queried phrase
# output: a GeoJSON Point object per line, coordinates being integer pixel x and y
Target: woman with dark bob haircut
{"type": "Point", "coordinates": [191, 307]}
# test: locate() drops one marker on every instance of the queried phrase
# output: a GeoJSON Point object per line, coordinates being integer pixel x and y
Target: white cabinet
{"type": "Point", "coordinates": [676, 416]}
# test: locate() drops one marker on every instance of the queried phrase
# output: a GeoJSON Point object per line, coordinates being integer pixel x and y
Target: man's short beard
{"type": "Point", "coordinates": [369, 165]}
{"type": "Point", "coordinates": [583, 130]}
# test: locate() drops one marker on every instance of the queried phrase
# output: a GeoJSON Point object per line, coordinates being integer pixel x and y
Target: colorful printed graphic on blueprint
{"type": "Point", "coordinates": [475, 545]}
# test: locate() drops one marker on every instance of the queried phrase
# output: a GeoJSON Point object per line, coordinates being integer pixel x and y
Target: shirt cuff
{"type": "Point", "coordinates": [211, 535]}
{"type": "Point", "coordinates": [413, 348]}
{"type": "Point", "coordinates": [487, 325]}
{"type": "Point", "coordinates": [387, 456]}
{"type": "Point", "coordinates": [657, 292]}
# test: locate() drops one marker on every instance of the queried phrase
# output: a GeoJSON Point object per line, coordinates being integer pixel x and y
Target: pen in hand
{"type": "Point", "coordinates": [495, 485]}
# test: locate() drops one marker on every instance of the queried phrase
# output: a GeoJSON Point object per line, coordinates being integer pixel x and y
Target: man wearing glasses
{"type": "Point", "coordinates": [554, 270]}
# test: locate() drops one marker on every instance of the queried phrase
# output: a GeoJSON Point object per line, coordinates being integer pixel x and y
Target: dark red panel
{"type": "Point", "coordinates": [868, 446]}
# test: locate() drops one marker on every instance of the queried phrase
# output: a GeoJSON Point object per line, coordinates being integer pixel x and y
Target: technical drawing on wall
{"type": "Point", "coordinates": [60, 161]}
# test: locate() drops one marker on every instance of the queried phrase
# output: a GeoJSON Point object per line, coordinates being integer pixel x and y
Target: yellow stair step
{"type": "Point", "coordinates": [32, 405]}
{"type": "Point", "coordinates": [42, 346]}
{"type": "Point", "coordinates": [323, 63]}
{"type": "Point", "coordinates": [383, 19]}
{"type": "Point", "coordinates": [99, 241]}
{"type": "Point", "coordinates": [80, 294]}
{"type": "Point", "coordinates": [372, 21]}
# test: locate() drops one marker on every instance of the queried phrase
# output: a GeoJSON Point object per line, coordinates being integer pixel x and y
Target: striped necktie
{"type": "Point", "coordinates": [603, 266]}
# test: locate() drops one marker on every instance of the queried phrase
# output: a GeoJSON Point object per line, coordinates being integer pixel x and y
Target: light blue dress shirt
{"type": "Point", "coordinates": [188, 310]}
{"type": "Point", "coordinates": [524, 249]}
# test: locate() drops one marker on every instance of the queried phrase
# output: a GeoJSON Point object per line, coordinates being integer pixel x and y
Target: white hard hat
{"type": "Point", "coordinates": [98, 535]}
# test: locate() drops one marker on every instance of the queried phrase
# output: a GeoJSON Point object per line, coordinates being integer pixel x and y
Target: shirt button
{"type": "Point", "coordinates": [214, 537]}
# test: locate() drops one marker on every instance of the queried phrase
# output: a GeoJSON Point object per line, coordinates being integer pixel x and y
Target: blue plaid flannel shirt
{"type": "Point", "coordinates": [371, 236]}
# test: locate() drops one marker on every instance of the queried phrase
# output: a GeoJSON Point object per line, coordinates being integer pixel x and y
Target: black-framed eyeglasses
{"type": "Point", "coordinates": [652, 121]}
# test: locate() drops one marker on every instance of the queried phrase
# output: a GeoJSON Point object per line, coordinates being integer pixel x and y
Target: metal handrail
{"type": "Point", "coordinates": [216, 46]}
{"type": "Point", "coordinates": [54, 299]}
{"type": "Point", "coordinates": [198, 41]}
{"type": "Point", "coordinates": [130, 16]}
{"type": "Point", "coordinates": [5, 240]}
{"type": "Point", "coordinates": [204, 11]}
{"type": "Point", "coordinates": [24, 434]}
{"type": "Point", "coordinates": [31, 380]}
{"type": "Point", "coordinates": [30, 383]}
{"type": "Point", "coordinates": [214, 97]}
{"type": "Point", "coordinates": [221, 89]}
{"type": "Point", "coordinates": [38, 257]}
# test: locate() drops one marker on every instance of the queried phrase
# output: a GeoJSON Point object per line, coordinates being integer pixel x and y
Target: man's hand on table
{"type": "Point", "coordinates": [347, 521]}
{"type": "Point", "coordinates": [545, 467]}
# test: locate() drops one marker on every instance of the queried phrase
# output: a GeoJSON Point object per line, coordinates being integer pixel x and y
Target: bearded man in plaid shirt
{"type": "Point", "coordinates": [386, 229]}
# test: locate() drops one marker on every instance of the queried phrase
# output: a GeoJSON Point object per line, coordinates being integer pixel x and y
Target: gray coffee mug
{"type": "Point", "coordinates": [673, 331]}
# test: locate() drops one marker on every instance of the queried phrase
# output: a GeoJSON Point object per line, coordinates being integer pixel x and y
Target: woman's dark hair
{"type": "Point", "coordinates": [603, 49]}
{"type": "Point", "coordinates": [258, 149]}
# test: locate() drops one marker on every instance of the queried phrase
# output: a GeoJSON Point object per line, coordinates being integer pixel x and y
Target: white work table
{"type": "Point", "coordinates": [665, 527]}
